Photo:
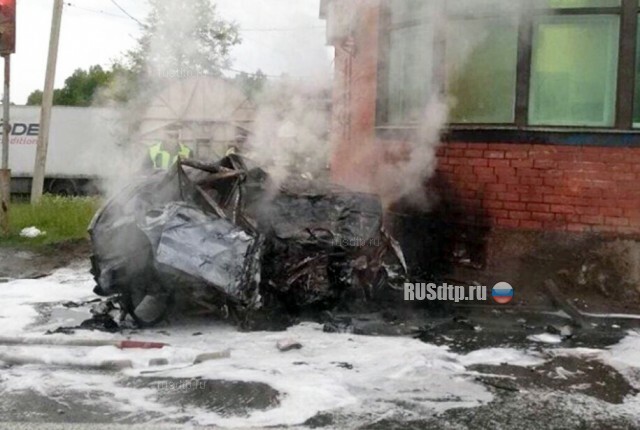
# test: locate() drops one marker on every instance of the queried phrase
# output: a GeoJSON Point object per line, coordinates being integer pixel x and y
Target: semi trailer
{"type": "Point", "coordinates": [83, 149]}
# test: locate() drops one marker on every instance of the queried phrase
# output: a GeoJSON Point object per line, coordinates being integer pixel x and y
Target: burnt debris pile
{"type": "Point", "coordinates": [223, 238]}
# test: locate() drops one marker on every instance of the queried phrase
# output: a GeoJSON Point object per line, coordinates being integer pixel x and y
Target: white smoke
{"type": "Point", "coordinates": [171, 49]}
{"type": "Point", "coordinates": [290, 131]}
{"type": "Point", "coordinates": [405, 179]}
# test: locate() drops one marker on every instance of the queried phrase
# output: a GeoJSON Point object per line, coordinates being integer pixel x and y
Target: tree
{"type": "Point", "coordinates": [81, 86]}
{"type": "Point", "coordinates": [95, 86]}
{"type": "Point", "coordinates": [251, 83]}
{"type": "Point", "coordinates": [182, 39]}
{"type": "Point", "coordinates": [35, 98]}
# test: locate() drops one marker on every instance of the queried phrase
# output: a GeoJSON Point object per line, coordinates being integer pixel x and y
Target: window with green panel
{"type": "Point", "coordinates": [483, 8]}
{"type": "Point", "coordinates": [410, 66]}
{"type": "Point", "coordinates": [481, 57]}
{"type": "Point", "coordinates": [574, 70]}
{"type": "Point", "coordinates": [581, 3]}
{"type": "Point", "coordinates": [410, 73]}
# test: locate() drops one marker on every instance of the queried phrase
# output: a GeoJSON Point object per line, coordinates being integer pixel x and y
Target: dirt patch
{"type": "Point", "coordinates": [598, 274]}
{"type": "Point", "coordinates": [609, 269]}
{"type": "Point", "coordinates": [227, 398]}
{"type": "Point", "coordinates": [562, 374]}
{"type": "Point", "coordinates": [18, 263]}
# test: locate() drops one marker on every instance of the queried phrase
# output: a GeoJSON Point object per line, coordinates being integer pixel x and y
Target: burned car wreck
{"type": "Point", "coordinates": [223, 238]}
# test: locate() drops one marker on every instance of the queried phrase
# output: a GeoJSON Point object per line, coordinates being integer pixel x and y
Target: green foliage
{"type": "Point", "coordinates": [62, 218]}
{"type": "Point", "coordinates": [35, 98]}
{"type": "Point", "coordinates": [95, 86]}
{"type": "Point", "coordinates": [183, 39]}
{"type": "Point", "coordinates": [80, 87]}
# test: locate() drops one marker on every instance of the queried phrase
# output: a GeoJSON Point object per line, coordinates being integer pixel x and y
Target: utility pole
{"type": "Point", "coordinates": [7, 47]}
{"type": "Point", "coordinates": [47, 101]}
{"type": "Point", "coordinates": [5, 173]}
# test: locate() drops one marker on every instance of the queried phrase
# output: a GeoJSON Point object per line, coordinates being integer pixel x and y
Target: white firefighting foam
{"type": "Point", "coordinates": [343, 373]}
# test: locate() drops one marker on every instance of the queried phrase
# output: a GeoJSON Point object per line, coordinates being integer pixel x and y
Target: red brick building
{"type": "Point", "coordinates": [544, 133]}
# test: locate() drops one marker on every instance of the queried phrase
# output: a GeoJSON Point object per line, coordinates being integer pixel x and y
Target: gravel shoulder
{"type": "Point", "coordinates": [30, 263]}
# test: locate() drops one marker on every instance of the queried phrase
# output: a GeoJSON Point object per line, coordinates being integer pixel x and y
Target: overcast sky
{"type": "Point", "coordinates": [279, 36]}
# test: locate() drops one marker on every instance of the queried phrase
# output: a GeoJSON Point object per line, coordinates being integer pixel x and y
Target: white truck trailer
{"type": "Point", "coordinates": [83, 149]}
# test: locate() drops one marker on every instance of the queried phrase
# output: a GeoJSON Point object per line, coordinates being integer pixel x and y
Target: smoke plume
{"type": "Point", "coordinates": [290, 131]}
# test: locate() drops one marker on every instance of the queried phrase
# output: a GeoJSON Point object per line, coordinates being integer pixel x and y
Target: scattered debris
{"type": "Point", "coordinates": [116, 364]}
{"type": "Point", "coordinates": [559, 300]}
{"type": "Point", "coordinates": [285, 345]}
{"type": "Point", "coordinates": [343, 365]}
{"type": "Point", "coordinates": [98, 322]}
{"type": "Point", "coordinates": [135, 344]}
{"type": "Point", "coordinates": [565, 331]}
{"type": "Point", "coordinates": [21, 360]}
{"type": "Point", "coordinates": [545, 338]}
{"type": "Point", "coordinates": [497, 385]}
{"type": "Point", "coordinates": [581, 319]}
{"type": "Point", "coordinates": [562, 373]}
{"type": "Point", "coordinates": [122, 344]}
{"type": "Point", "coordinates": [222, 238]}
{"type": "Point", "coordinates": [31, 232]}
{"type": "Point", "coordinates": [207, 356]}
{"type": "Point", "coordinates": [103, 314]}
{"type": "Point", "coordinates": [73, 305]}
{"type": "Point", "coordinates": [338, 324]}
{"type": "Point", "coordinates": [158, 362]}
{"type": "Point", "coordinates": [464, 323]}
{"type": "Point", "coordinates": [61, 330]}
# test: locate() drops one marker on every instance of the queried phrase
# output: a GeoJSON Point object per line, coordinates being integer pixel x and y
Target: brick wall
{"type": "Point", "coordinates": [543, 187]}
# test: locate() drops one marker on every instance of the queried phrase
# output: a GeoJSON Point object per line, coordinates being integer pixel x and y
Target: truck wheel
{"type": "Point", "coordinates": [64, 188]}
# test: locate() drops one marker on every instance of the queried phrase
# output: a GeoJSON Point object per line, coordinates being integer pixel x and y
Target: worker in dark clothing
{"type": "Point", "coordinates": [163, 155]}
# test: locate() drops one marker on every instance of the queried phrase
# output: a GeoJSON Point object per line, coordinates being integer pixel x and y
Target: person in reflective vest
{"type": "Point", "coordinates": [163, 155]}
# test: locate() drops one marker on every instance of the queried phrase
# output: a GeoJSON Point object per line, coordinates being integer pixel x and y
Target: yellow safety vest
{"type": "Point", "coordinates": [161, 159]}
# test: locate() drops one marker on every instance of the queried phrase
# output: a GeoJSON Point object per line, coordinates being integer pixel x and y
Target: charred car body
{"type": "Point", "coordinates": [223, 237]}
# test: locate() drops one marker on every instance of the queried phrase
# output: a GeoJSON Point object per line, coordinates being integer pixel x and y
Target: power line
{"type": "Point", "coordinates": [102, 12]}
{"type": "Point", "coordinates": [128, 14]}
{"type": "Point", "coordinates": [242, 30]}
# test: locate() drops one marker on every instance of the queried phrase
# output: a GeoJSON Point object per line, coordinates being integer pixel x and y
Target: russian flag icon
{"type": "Point", "coordinates": [502, 293]}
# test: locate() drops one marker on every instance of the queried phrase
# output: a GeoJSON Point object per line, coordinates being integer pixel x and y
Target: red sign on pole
{"type": "Point", "coordinates": [7, 27]}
